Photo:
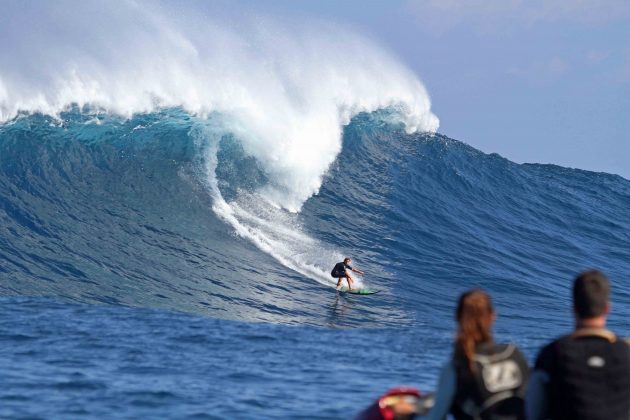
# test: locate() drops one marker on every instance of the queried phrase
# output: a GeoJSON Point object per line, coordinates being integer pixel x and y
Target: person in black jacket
{"type": "Point", "coordinates": [586, 374]}
{"type": "Point", "coordinates": [483, 380]}
{"type": "Point", "coordinates": [341, 271]}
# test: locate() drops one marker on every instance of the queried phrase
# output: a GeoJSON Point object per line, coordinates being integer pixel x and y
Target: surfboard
{"type": "Point", "coordinates": [364, 291]}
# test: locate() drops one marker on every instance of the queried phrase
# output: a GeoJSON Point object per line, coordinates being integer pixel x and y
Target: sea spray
{"type": "Point", "coordinates": [288, 89]}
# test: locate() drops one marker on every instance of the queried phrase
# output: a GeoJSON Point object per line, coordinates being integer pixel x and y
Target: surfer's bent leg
{"type": "Point", "coordinates": [339, 282]}
{"type": "Point", "coordinates": [349, 281]}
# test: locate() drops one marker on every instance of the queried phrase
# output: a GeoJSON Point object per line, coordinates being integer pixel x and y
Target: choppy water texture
{"type": "Point", "coordinates": [146, 273]}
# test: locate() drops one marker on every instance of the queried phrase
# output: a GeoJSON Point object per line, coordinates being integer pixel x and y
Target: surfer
{"type": "Point", "coordinates": [341, 271]}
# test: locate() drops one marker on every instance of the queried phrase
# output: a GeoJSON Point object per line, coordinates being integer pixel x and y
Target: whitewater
{"type": "Point", "coordinates": [177, 182]}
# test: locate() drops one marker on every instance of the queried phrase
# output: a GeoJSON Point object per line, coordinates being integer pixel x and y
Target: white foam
{"type": "Point", "coordinates": [289, 89]}
{"type": "Point", "coordinates": [273, 230]}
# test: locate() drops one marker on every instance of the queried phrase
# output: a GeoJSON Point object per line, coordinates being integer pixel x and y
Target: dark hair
{"type": "Point", "coordinates": [590, 294]}
{"type": "Point", "coordinates": [474, 316]}
{"type": "Point", "coordinates": [346, 259]}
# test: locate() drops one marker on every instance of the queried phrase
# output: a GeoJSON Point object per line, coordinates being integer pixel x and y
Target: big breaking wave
{"type": "Point", "coordinates": [285, 91]}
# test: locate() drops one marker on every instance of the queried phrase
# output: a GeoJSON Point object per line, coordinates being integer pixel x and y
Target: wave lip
{"type": "Point", "coordinates": [286, 90]}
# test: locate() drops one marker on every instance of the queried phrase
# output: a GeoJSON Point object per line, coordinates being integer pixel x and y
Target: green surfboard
{"type": "Point", "coordinates": [364, 291]}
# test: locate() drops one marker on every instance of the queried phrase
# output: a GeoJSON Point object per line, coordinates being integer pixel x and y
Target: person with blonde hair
{"type": "Point", "coordinates": [483, 380]}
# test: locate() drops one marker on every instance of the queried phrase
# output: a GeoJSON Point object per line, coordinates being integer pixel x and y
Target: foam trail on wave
{"type": "Point", "coordinates": [273, 230]}
{"type": "Point", "coordinates": [288, 87]}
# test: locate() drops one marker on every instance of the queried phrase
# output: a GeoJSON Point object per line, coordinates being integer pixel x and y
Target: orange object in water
{"type": "Point", "coordinates": [400, 403]}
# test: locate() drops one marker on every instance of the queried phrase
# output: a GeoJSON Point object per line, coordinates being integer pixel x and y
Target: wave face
{"type": "Point", "coordinates": [161, 211]}
{"type": "Point", "coordinates": [155, 211]}
{"type": "Point", "coordinates": [237, 120]}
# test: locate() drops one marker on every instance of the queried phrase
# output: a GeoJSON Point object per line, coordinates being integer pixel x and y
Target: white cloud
{"type": "Point", "coordinates": [596, 56]}
{"type": "Point", "coordinates": [542, 72]}
{"type": "Point", "coordinates": [623, 72]}
{"type": "Point", "coordinates": [585, 11]}
{"type": "Point", "coordinates": [440, 15]}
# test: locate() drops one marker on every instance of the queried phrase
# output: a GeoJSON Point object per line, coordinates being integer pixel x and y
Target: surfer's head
{"type": "Point", "coordinates": [347, 260]}
{"type": "Point", "coordinates": [475, 316]}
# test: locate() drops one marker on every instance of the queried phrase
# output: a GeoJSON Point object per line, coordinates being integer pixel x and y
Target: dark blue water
{"type": "Point", "coordinates": [126, 294]}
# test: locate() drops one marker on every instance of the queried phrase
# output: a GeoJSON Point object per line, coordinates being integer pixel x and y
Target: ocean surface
{"type": "Point", "coordinates": [125, 295]}
{"type": "Point", "coordinates": [175, 189]}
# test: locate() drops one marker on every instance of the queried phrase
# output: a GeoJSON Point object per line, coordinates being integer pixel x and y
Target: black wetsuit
{"type": "Point", "coordinates": [340, 270]}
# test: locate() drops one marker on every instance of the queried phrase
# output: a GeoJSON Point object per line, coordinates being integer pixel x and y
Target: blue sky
{"type": "Point", "coordinates": [535, 81]}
